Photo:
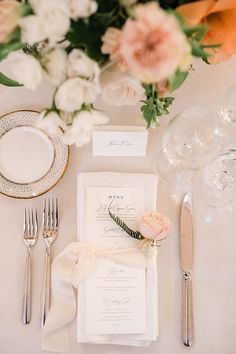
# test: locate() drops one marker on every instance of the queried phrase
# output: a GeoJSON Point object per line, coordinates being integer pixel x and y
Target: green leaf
{"type": "Point", "coordinates": [25, 10]}
{"type": "Point", "coordinates": [119, 222]}
{"type": "Point", "coordinates": [198, 51]}
{"type": "Point", "coordinates": [149, 112]}
{"type": "Point", "coordinates": [88, 38]}
{"type": "Point", "coordinates": [33, 50]}
{"type": "Point", "coordinates": [198, 32]}
{"type": "Point", "coordinates": [6, 81]}
{"type": "Point", "coordinates": [14, 36]}
{"type": "Point", "coordinates": [106, 18]}
{"type": "Point", "coordinates": [148, 89]}
{"type": "Point", "coordinates": [154, 107]}
{"type": "Point", "coordinates": [177, 79]}
{"type": "Point", "coordinates": [211, 45]}
{"type": "Point", "coordinates": [5, 49]}
{"type": "Point", "coordinates": [163, 104]}
{"type": "Point", "coordinates": [202, 31]}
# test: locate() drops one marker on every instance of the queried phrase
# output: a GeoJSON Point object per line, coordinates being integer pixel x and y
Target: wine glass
{"type": "Point", "coordinates": [216, 183]}
{"type": "Point", "coordinates": [227, 112]}
{"type": "Point", "coordinates": [228, 105]}
{"type": "Point", "coordinates": [190, 141]}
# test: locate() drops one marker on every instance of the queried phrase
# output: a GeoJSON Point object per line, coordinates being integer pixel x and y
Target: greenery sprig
{"type": "Point", "coordinates": [119, 222]}
{"type": "Point", "coordinates": [86, 33]}
{"type": "Point", "coordinates": [154, 106]}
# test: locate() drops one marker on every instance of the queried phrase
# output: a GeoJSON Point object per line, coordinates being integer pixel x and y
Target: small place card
{"type": "Point", "coordinates": [120, 141]}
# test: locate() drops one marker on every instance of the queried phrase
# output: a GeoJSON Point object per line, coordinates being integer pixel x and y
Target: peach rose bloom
{"type": "Point", "coordinates": [220, 16]}
{"type": "Point", "coordinates": [152, 45]}
{"type": "Point", "coordinates": [9, 17]}
{"type": "Point", "coordinates": [154, 226]}
{"type": "Point", "coordinates": [111, 46]}
{"type": "Point", "coordinates": [111, 42]}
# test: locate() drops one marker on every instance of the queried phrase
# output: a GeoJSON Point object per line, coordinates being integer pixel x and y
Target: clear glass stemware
{"type": "Point", "coordinates": [216, 183]}
{"type": "Point", "coordinates": [191, 141]}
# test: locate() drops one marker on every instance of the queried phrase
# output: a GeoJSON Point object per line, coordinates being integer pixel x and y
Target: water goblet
{"type": "Point", "coordinates": [191, 141]}
{"type": "Point", "coordinates": [216, 183]}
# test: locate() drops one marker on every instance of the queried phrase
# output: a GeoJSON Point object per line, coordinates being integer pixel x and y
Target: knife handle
{"type": "Point", "coordinates": [187, 310]}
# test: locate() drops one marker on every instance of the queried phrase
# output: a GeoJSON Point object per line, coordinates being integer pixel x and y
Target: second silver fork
{"type": "Point", "coordinates": [50, 232]}
{"type": "Point", "coordinates": [30, 233]}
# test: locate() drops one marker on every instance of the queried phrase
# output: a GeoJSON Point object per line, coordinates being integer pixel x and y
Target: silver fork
{"type": "Point", "coordinates": [30, 234]}
{"type": "Point", "coordinates": [50, 232]}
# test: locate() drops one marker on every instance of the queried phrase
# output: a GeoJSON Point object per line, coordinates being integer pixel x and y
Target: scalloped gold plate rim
{"type": "Point", "coordinates": [57, 179]}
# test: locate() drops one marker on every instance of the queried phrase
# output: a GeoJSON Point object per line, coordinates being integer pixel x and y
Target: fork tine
{"type": "Point", "coordinates": [44, 214]}
{"type": "Point", "coordinates": [35, 222]}
{"type": "Point", "coordinates": [48, 221]}
{"type": "Point", "coordinates": [24, 227]}
{"type": "Point", "coordinates": [30, 222]}
{"type": "Point", "coordinates": [56, 214]}
{"type": "Point", "coordinates": [53, 213]}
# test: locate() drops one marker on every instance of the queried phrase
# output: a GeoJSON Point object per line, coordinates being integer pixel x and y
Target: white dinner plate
{"type": "Point", "coordinates": [31, 160]}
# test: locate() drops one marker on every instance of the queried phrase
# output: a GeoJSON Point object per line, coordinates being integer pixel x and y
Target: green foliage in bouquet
{"type": "Point", "coordinates": [92, 32]}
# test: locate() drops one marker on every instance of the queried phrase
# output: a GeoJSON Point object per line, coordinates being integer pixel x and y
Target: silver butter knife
{"type": "Point", "coordinates": [186, 251]}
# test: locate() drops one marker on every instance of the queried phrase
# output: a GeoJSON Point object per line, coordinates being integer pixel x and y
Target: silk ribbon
{"type": "Point", "coordinates": [69, 269]}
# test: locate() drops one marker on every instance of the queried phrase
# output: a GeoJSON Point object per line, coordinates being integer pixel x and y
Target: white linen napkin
{"type": "Point", "coordinates": [109, 179]}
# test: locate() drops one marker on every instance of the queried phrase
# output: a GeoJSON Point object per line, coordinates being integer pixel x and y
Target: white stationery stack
{"type": "Point", "coordinates": [117, 303]}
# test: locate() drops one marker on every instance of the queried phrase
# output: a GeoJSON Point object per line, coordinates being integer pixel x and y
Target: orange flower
{"type": "Point", "coordinates": [220, 16]}
{"type": "Point", "coordinates": [9, 17]}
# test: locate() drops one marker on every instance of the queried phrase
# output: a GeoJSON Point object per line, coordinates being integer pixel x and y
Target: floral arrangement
{"type": "Point", "coordinates": [126, 51]}
{"type": "Point", "coordinates": [152, 228]}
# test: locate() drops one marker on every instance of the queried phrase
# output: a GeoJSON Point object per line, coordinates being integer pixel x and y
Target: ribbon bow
{"type": "Point", "coordinates": [69, 268]}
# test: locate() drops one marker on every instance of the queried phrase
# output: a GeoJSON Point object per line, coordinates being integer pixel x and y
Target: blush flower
{"type": "Point", "coordinates": [9, 18]}
{"type": "Point", "coordinates": [152, 45]}
{"type": "Point", "coordinates": [119, 89]}
{"type": "Point", "coordinates": [154, 226]}
{"type": "Point", "coordinates": [111, 42]}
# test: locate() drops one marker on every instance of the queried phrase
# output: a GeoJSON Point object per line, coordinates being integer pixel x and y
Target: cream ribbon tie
{"type": "Point", "coordinates": [72, 266]}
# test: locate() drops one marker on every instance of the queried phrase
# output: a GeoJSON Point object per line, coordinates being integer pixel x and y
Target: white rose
{"type": "Point", "coordinates": [80, 133]}
{"type": "Point", "coordinates": [31, 30]}
{"type": "Point", "coordinates": [120, 89]}
{"type": "Point", "coordinates": [54, 61]}
{"type": "Point", "coordinates": [74, 92]}
{"type": "Point", "coordinates": [54, 19]}
{"type": "Point", "coordinates": [50, 123]}
{"type": "Point", "coordinates": [79, 64]}
{"type": "Point", "coordinates": [25, 69]}
{"type": "Point", "coordinates": [82, 8]}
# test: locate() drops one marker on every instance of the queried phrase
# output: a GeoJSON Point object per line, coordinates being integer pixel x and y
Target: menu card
{"type": "Point", "coordinates": [120, 290]}
{"type": "Point", "coordinates": [117, 303]}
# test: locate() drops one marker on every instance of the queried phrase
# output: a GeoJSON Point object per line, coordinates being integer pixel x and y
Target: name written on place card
{"type": "Point", "coordinates": [120, 141]}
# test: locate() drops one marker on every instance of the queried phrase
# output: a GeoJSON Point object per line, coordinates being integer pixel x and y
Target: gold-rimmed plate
{"type": "Point", "coordinates": [32, 161]}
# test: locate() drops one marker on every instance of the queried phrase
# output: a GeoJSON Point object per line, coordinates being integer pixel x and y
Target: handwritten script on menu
{"type": "Point", "coordinates": [115, 293]}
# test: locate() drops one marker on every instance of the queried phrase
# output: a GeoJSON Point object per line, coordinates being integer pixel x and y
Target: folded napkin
{"type": "Point", "coordinates": [73, 266]}
{"type": "Point", "coordinates": [124, 180]}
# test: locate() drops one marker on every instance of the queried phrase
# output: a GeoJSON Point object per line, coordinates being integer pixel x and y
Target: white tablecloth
{"type": "Point", "coordinates": [214, 286]}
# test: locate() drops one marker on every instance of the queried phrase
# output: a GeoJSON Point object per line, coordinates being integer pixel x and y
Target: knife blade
{"type": "Point", "coordinates": [186, 254]}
